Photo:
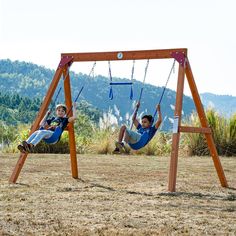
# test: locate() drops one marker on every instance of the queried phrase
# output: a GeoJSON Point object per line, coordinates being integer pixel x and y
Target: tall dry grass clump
{"type": "Point", "coordinates": [223, 130]}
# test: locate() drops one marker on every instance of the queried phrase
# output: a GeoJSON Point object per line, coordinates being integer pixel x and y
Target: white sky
{"type": "Point", "coordinates": [38, 31]}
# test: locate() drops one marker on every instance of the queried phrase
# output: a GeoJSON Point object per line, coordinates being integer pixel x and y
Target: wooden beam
{"type": "Point", "coordinates": [68, 99]}
{"type": "Point", "coordinates": [42, 112]}
{"type": "Point", "coordinates": [204, 123]}
{"type": "Point", "coordinates": [47, 99]}
{"type": "Point", "coordinates": [18, 167]}
{"type": "Point", "coordinates": [176, 136]}
{"type": "Point", "coordinates": [187, 129]}
{"type": "Point", "coordinates": [124, 55]}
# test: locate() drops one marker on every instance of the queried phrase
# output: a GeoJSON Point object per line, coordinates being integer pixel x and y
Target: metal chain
{"type": "Point", "coordinates": [132, 72]}
{"type": "Point", "coordinates": [92, 70]}
{"type": "Point", "coordinates": [109, 65]}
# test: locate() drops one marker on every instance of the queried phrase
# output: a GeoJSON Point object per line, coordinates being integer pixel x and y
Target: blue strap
{"type": "Point", "coordinates": [111, 93]}
{"type": "Point", "coordinates": [131, 93]}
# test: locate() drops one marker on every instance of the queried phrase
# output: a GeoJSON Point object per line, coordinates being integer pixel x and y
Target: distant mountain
{"type": "Point", "coordinates": [224, 104]}
{"type": "Point", "coordinates": [27, 79]}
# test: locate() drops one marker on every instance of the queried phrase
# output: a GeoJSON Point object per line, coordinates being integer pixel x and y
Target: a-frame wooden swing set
{"type": "Point", "coordinates": [180, 55]}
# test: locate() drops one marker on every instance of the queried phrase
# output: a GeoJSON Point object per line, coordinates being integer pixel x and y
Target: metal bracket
{"type": "Point", "coordinates": [179, 57]}
{"type": "Point", "coordinates": [65, 60]}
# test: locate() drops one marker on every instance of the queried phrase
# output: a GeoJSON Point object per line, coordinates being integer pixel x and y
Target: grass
{"type": "Point", "coordinates": [116, 195]}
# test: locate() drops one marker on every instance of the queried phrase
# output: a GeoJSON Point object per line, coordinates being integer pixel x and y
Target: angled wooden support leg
{"type": "Point", "coordinates": [35, 125]}
{"type": "Point", "coordinates": [74, 167]}
{"type": "Point", "coordinates": [176, 135]}
{"type": "Point", "coordinates": [17, 169]}
{"type": "Point", "coordinates": [204, 123]}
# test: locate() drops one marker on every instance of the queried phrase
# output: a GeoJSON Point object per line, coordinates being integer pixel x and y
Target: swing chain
{"type": "Point", "coordinates": [145, 72]}
{"type": "Point", "coordinates": [132, 72]}
{"type": "Point", "coordinates": [109, 65]}
{"type": "Point", "coordinates": [92, 70]}
{"type": "Point", "coordinates": [168, 78]}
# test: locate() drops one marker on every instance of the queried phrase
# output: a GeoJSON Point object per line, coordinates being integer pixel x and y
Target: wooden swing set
{"type": "Point", "coordinates": [180, 55]}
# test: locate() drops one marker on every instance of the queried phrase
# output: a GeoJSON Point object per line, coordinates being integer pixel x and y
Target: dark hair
{"type": "Point", "coordinates": [148, 117]}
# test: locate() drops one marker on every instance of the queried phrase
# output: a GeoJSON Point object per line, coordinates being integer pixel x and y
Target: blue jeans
{"type": "Point", "coordinates": [38, 135]}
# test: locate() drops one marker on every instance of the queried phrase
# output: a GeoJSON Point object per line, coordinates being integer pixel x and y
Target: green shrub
{"type": "Point", "coordinates": [223, 131]}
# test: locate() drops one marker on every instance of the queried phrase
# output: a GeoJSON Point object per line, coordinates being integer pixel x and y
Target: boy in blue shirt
{"type": "Point", "coordinates": [132, 137]}
{"type": "Point", "coordinates": [48, 127]}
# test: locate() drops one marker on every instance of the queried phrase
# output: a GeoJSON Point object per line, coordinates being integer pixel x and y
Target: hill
{"type": "Point", "coordinates": [30, 80]}
{"type": "Point", "coordinates": [224, 104]}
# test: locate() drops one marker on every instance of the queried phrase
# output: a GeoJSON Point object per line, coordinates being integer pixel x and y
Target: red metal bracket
{"type": "Point", "coordinates": [65, 60]}
{"type": "Point", "coordinates": [179, 57]}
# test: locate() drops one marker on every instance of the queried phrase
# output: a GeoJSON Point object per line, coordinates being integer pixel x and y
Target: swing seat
{"type": "Point", "coordinates": [141, 143]}
{"type": "Point", "coordinates": [121, 83]}
{"type": "Point", "coordinates": [55, 137]}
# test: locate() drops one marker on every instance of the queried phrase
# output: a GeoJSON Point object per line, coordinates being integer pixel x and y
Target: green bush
{"type": "Point", "coordinates": [92, 139]}
{"type": "Point", "coordinates": [223, 131]}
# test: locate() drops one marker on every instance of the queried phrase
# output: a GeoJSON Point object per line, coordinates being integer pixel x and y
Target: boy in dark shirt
{"type": "Point", "coordinates": [48, 127]}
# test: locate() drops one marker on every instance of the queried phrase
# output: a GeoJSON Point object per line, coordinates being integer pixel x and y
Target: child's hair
{"type": "Point", "coordinates": [61, 106]}
{"type": "Point", "coordinates": [148, 117]}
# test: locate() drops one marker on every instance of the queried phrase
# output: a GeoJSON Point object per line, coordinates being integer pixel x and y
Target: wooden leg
{"type": "Point", "coordinates": [35, 125]}
{"type": "Point", "coordinates": [18, 167]}
{"type": "Point", "coordinates": [176, 135]}
{"type": "Point", "coordinates": [73, 157]}
{"type": "Point", "coordinates": [204, 123]}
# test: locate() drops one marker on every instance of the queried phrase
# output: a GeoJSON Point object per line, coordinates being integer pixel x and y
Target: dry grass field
{"type": "Point", "coordinates": [116, 195]}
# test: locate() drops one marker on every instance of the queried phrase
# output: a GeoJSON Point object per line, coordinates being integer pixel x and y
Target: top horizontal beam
{"type": "Point", "coordinates": [124, 55]}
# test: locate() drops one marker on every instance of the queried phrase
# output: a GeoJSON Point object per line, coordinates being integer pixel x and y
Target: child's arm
{"type": "Point", "coordinates": [135, 121]}
{"type": "Point", "coordinates": [43, 121]}
{"type": "Point", "coordinates": [73, 118]}
{"type": "Point", "coordinates": [159, 116]}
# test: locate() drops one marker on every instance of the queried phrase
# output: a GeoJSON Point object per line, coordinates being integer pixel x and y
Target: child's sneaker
{"type": "Point", "coordinates": [27, 146]}
{"type": "Point", "coordinates": [120, 147]}
{"type": "Point", "coordinates": [116, 151]}
{"type": "Point", "coordinates": [21, 148]}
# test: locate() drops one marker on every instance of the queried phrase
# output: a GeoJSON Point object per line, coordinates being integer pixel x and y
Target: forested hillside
{"type": "Point", "coordinates": [224, 104]}
{"type": "Point", "coordinates": [15, 109]}
{"type": "Point", "coordinates": [31, 81]}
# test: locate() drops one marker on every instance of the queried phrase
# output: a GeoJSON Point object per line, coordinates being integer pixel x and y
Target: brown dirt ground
{"type": "Point", "coordinates": [116, 195]}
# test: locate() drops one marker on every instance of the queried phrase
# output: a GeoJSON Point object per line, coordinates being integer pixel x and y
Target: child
{"type": "Point", "coordinates": [48, 127]}
{"type": "Point", "coordinates": [133, 137]}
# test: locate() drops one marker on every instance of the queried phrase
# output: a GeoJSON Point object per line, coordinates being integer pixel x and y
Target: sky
{"type": "Point", "coordinates": [39, 31]}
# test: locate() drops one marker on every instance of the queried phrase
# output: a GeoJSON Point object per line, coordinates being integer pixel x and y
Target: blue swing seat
{"type": "Point", "coordinates": [55, 137]}
{"type": "Point", "coordinates": [141, 143]}
{"type": "Point", "coordinates": [111, 91]}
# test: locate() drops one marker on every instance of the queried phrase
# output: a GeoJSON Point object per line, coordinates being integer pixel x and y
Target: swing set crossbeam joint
{"type": "Point", "coordinates": [65, 60]}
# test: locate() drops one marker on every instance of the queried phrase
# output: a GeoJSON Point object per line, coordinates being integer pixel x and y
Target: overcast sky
{"type": "Point", "coordinates": [38, 31]}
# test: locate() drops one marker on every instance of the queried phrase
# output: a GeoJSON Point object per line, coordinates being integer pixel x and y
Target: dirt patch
{"type": "Point", "coordinates": [116, 195]}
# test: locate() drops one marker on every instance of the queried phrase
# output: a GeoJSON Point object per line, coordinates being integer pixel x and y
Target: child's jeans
{"type": "Point", "coordinates": [132, 136]}
{"type": "Point", "coordinates": [38, 135]}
